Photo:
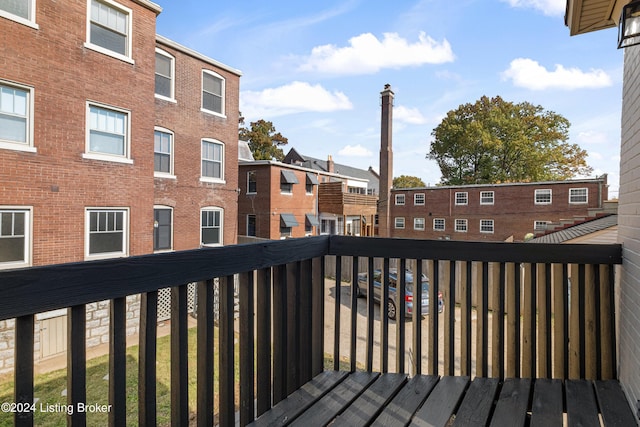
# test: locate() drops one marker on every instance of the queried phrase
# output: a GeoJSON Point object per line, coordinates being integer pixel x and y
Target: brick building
{"type": "Point", "coordinates": [85, 87]}
{"type": "Point", "coordinates": [492, 212]}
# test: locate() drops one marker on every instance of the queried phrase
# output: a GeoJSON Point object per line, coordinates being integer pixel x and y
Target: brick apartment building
{"type": "Point", "coordinates": [492, 212]}
{"type": "Point", "coordinates": [85, 87]}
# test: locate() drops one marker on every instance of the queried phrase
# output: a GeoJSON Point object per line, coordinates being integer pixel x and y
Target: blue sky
{"type": "Point", "coordinates": [316, 69]}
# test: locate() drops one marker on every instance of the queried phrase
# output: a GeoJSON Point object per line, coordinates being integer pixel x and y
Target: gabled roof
{"type": "Point", "coordinates": [578, 230]}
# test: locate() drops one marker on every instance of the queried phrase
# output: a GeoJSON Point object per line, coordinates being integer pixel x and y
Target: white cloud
{"type": "Point", "coordinates": [548, 7]}
{"type": "Point", "coordinates": [408, 115]}
{"type": "Point", "coordinates": [367, 55]}
{"type": "Point", "coordinates": [592, 137]}
{"type": "Point", "coordinates": [527, 73]}
{"type": "Point", "coordinates": [295, 97]}
{"type": "Point", "coordinates": [355, 151]}
{"type": "Point", "coordinates": [595, 155]}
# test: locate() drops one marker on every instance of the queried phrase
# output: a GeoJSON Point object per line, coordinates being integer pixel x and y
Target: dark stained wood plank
{"type": "Point", "coordinates": [511, 409]}
{"type": "Point", "coordinates": [400, 410]}
{"type": "Point", "coordinates": [263, 342]}
{"type": "Point", "coordinates": [337, 400]}
{"type": "Point", "coordinates": [205, 352]}
{"type": "Point", "coordinates": [613, 404]}
{"type": "Point", "coordinates": [226, 357]}
{"type": "Point", "coordinates": [118, 362]}
{"type": "Point", "coordinates": [279, 333]}
{"type": "Point", "coordinates": [546, 407]}
{"type": "Point", "coordinates": [306, 321]}
{"type": "Point", "coordinates": [23, 385]}
{"type": "Point", "coordinates": [441, 403]}
{"type": "Point", "coordinates": [582, 409]}
{"type": "Point", "coordinates": [291, 407]}
{"type": "Point", "coordinates": [77, 362]}
{"type": "Point", "coordinates": [354, 313]}
{"type": "Point", "coordinates": [477, 403]}
{"type": "Point", "coordinates": [401, 293]}
{"type": "Point", "coordinates": [337, 310]}
{"type": "Point", "coordinates": [370, 315]}
{"type": "Point", "coordinates": [179, 357]}
{"type": "Point", "coordinates": [147, 357]}
{"type": "Point", "coordinates": [370, 403]}
{"type": "Point", "coordinates": [293, 327]}
{"type": "Point", "coordinates": [246, 338]}
{"type": "Point", "coordinates": [384, 318]}
{"type": "Point", "coordinates": [317, 329]}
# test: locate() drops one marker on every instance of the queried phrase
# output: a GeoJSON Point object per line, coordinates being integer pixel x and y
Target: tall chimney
{"type": "Point", "coordinates": [330, 164]}
{"type": "Point", "coordinates": [386, 162]}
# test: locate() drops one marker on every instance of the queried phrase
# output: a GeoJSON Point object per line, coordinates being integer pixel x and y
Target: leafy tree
{"type": "Point", "coordinates": [406, 181]}
{"type": "Point", "coordinates": [495, 141]}
{"type": "Point", "coordinates": [263, 139]}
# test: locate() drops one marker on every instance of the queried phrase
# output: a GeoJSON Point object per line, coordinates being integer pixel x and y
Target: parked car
{"type": "Point", "coordinates": [392, 302]}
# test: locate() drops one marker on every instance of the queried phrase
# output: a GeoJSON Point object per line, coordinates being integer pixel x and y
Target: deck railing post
{"type": "Point", "coordinates": [205, 365]}
{"type": "Point", "coordinates": [23, 381]}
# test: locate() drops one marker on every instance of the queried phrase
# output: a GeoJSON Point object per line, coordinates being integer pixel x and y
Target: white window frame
{"type": "Point", "coordinates": [540, 225]}
{"type": "Point", "coordinates": [399, 223]}
{"type": "Point", "coordinates": [255, 174]}
{"type": "Point", "coordinates": [417, 201]}
{"type": "Point", "coordinates": [169, 208]}
{"type": "Point", "coordinates": [221, 227]}
{"type": "Point", "coordinates": [487, 195]}
{"type": "Point", "coordinates": [171, 173]}
{"type": "Point", "coordinates": [436, 221]}
{"type": "Point", "coordinates": [462, 198]}
{"type": "Point", "coordinates": [203, 178]}
{"type": "Point", "coordinates": [461, 226]}
{"type": "Point", "coordinates": [419, 224]}
{"type": "Point", "coordinates": [487, 226]}
{"type": "Point", "coordinates": [96, 155]}
{"type": "Point", "coordinates": [28, 233]}
{"type": "Point", "coordinates": [30, 21]}
{"type": "Point", "coordinates": [572, 196]}
{"type": "Point", "coordinates": [125, 233]}
{"type": "Point", "coordinates": [542, 192]}
{"type": "Point", "coordinates": [172, 95]}
{"type": "Point", "coordinates": [128, 57]}
{"type": "Point", "coordinates": [223, 95]}
{"type": "Point", "coordinates": [28, 145]}
{"type": "Point", "coordinates": [400, 199]}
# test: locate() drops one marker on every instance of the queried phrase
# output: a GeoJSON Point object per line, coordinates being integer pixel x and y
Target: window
{"type": "Point", "coordinates": [108, 134]}
{"type": "Point", "coordinates": [418, 224]}
{"type": "Point", "coordinates": [399, 199]}
{"type": "Point", "coordinates": [310, 222]}
{"type": "Point", "coordinates": [418, 199]}
{"type": "Point", "coordinates": [211, 227]}
{"type": "Point", "coordinates": [462, 198]}
{"type": "Point", "coordinates": [15, 240]}
{"type": "Point", "coordinates": [109, 28]}
{"type": "Point", "coordinates": [399, 222]}
{"type": "Point", "coordinates": [578, 195]}
{"type": "Point", "coordinates": [486, 226]}
{"type": "Point", "coordinates": [438, 224]}
{"type": "Point", "coordinates": [165, 70]}
{"type": "Point", "coordinates": [212, 161]}
{"type": "Point", "coordinates": [107, 234]}
{"type": "Point", "coordinates": [486, 197]}
{"type": "Point", "coordinates": [16, 112]}
{"type": "Point", "coordinates": [212, 93]}
{"type": "Point", "coordinates": [163, 152]}
{"type": "Point", "coordinates": [252, 183]}
{"type": "Point", "coordinates": [287, 179]}
{"type": "Point", "coordinates": [287, 222]}
{"type": "Point", "coordinates": [540, 225]}
{"type": "Point", "coordinates": [251, 225]}
{"type": "Point", "coordinates": [543, 197]}
{"type": "Point", "coordinates": [312, 180]}
{"type": "Point", "coordinates": [461, 225]}
{"type": "Point", "coordinates": [22, 11]}
{"type": "Point", "coordinates": [327, 226]}
{"type": "Point", "coordinates": [162, 233]}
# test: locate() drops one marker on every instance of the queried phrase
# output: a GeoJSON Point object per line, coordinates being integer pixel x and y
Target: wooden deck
{"type": "Point", "coordinates": [365, 398]}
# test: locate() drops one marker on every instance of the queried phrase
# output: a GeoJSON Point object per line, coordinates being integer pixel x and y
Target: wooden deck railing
{"type": "Point", "coordinates": [539, 327]}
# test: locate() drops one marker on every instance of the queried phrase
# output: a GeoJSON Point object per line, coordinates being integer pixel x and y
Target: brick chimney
{"type": "Point", "coordinates": [330, 164]}
{"type": "Point", "coordinates": [386, 162]}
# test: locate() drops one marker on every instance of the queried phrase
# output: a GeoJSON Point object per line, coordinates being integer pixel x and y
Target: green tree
{"type": "Point", "coordinates": [407, 181]}
{"type": "Point", "coordinates": [495, 141]}
{"type": "Point", "coordinates": [263, 139]}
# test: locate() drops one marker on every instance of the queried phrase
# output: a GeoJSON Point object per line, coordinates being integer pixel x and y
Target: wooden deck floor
{"type": "Point", "coordinates": [364, 398]}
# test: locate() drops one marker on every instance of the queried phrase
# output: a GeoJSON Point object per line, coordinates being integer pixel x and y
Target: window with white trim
{"type": "Point", "coordinates": [15, 238]}
{"type": "Point", "coordinates": [109, 28]}
{"type": "Point", "coordinates": [487, 197]}
{"type": "Point", "coordinates": [16, 115]}
{"type": "Point", "coordinates": [462, 198]}
{"type": "Point", "coordinates": [106, 233]}
{"type": "Point", "coordinates": [543, 196]}
{"type": "Point", "coordinates": [578, 195]}
{"type": "Point", "coordinates": [108, 133]}
{"type": "Point", "coordinates": [22, 11]}
{"type": "Point", "coordinates": [461, 225]}
{"type": "Point", "coordinates": [438, 224]}
{"type": "Point", "coordinates": [213, 87]}
{"type": "Point", "coordinates": [162, 228]}
{"type": "Point", "coordinates": [165, 72]}
{"type": "Point", "coordinates": [486, 226]}
{"type": "Point", "coordinates": [399, 222]}
{"type": "Point", "coordinates": [418, 224]}
{"type": "Point", "coordinates": [418, 199]}
{"type": "Point", "coordinates": [212, 160]}
{"type": "Point", "coordinates": [251, 225]}
{"type": "Point", "coordinates": [252, 182]}
{"type": "Point", "coordinates": [211, 226]}
{"type": "Point", "coordinates": [540, 225]}
{"type": "Point", "coordinates": [399, 199]}
{"type": "Point", "coordinates": [162, 152]}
